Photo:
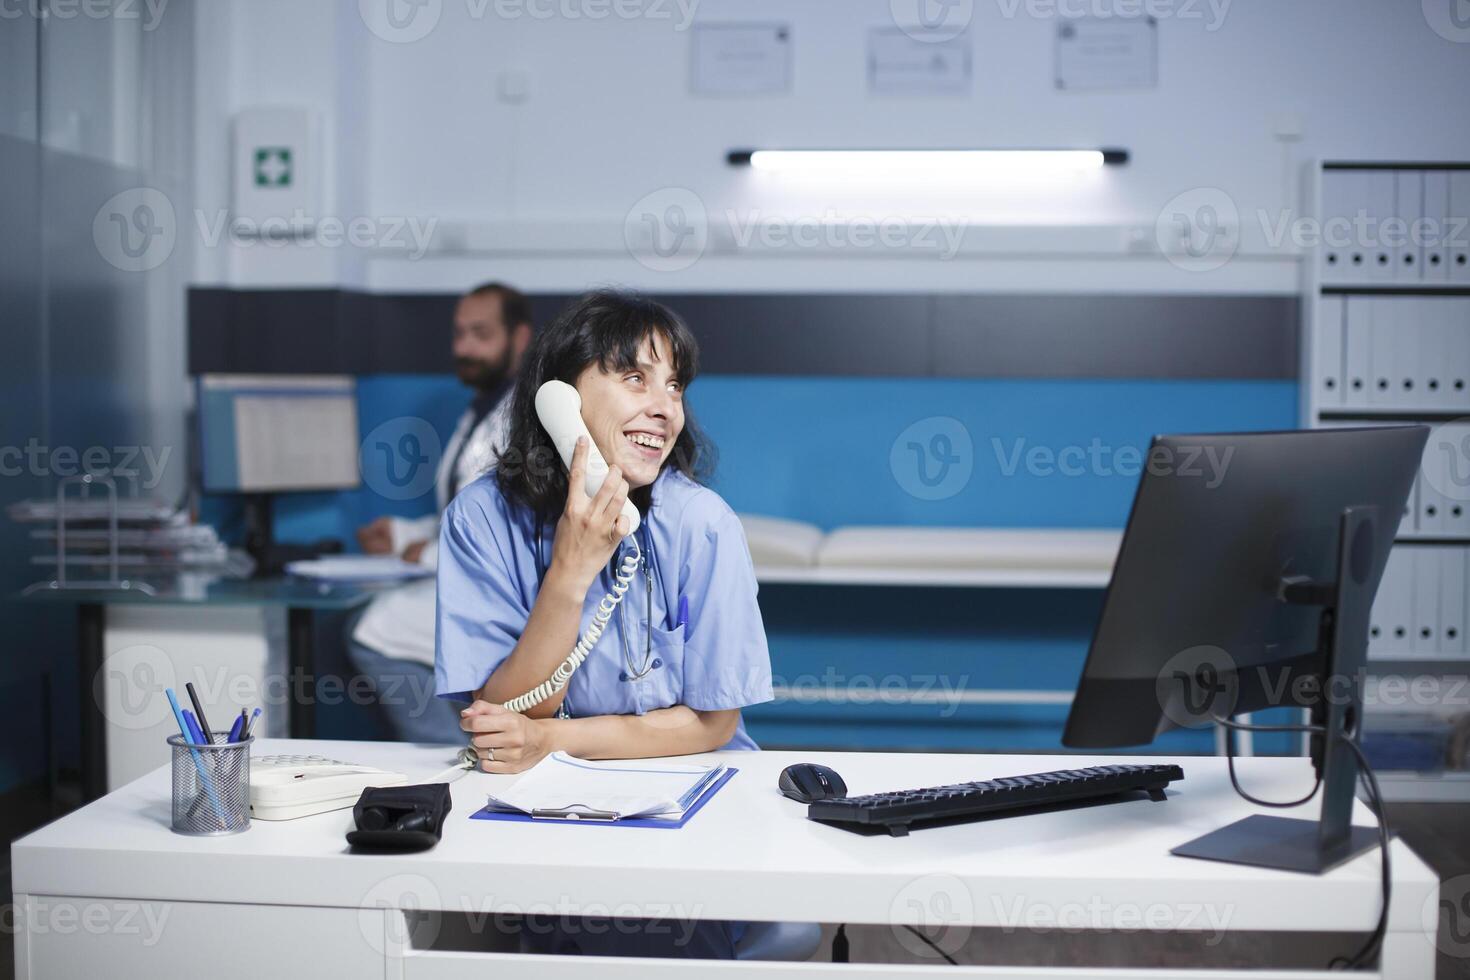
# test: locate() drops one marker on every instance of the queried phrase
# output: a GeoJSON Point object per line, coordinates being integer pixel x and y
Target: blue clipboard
{"type": "Point", "coordinates": [488, 814]}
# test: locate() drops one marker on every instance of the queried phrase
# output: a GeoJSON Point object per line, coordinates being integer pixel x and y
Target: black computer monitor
{"type": "Point", "coordinates": [1245, 581]}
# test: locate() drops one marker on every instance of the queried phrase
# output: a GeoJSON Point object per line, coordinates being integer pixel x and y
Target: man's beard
{"type": "Point", "coordinates": [480, 374]}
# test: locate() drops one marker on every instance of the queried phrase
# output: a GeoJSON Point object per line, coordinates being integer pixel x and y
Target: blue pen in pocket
{"type": "Point", "coordinates": [683, 612]}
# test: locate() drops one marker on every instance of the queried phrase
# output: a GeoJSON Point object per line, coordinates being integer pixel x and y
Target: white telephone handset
{"type": "Point", "coordinates": [560, 409]}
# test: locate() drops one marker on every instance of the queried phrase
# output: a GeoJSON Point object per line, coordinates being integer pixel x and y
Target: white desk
{"type": "Point", "coordinates": [111, 891]}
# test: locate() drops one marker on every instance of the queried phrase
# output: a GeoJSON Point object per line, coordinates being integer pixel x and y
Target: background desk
{"type": "Point", "coordinates": [229, 617]}
{"type": "Point", "coordinates": [289, 899]}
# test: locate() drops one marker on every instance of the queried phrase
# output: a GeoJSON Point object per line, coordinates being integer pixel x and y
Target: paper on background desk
{"type": "Point", "coordinates": [560, 784]}
{"type": "Point", "coordinates": [358, 568]}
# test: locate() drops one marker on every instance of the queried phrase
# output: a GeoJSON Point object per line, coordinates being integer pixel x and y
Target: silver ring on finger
{"type": "Point", "coordinates": [489, 755]}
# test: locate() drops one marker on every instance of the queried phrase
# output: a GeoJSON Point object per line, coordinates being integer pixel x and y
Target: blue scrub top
{"type": "Point", "coordinates": [490, 574]}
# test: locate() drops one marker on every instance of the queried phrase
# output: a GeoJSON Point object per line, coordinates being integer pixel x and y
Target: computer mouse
{"type": "Point", "coordinates": [807, 782]}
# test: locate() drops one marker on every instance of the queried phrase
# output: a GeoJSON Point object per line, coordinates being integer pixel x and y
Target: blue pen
{"type": "Point", "coordinates": [196, 734]}
{"type": "Point", "coordinates": [237, 730]}
{"type": "Point", "coordinates": [683, 612]}
{"type": "Point", "coordinates": [250, 725]}
{"type": "Point", "coordinates": [219, 809]}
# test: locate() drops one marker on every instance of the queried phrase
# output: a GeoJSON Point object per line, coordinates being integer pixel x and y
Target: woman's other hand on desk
{"type": "Point", "coordinates": [505, 740]}
{"type": "Point", "coordinates": [376, 537]}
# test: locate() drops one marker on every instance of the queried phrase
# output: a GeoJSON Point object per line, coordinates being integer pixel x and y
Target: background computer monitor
{"type": "Point", "coordinates": [277, 433]}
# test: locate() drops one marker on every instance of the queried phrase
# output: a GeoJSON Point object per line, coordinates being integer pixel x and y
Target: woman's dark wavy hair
{"type": "Point", "coordinates": [605, 327]}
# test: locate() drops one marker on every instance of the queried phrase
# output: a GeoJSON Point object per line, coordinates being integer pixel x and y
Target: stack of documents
{"type": "Point", "coordinates": [147, 538]}
{"type": "Point", "coordinates": [564, 788]}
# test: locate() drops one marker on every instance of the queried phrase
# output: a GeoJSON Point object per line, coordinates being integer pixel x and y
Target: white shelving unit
{"type": "Point", "coordinates": [1386, 340]}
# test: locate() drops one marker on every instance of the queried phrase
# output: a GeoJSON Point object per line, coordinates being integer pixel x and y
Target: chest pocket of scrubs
{"type": "Point", "coordinates": [663, 685]}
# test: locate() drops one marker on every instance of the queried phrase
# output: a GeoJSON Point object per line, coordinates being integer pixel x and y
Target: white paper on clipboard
{"type": "Point", "coordinates": [562, 786]}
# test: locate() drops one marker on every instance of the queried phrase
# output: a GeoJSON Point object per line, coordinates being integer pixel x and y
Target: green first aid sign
{"type": "Point", "coordinates": [272, 166]}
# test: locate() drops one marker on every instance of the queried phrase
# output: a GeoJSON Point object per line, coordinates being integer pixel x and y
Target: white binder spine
{"type": "Point", "coordinates": [1408, 254]}
{"type": "Point", "coordinates": [1358, 351]}
{"type": "Point", "coordinates": [1453, 603]}
{"type": "Point", "coordinates": [1379, 203]}
{"type": "Point", "coordinates": [1437, 226]}
{"type": "Point", "coordinates": [1328, 351]}
{"type": "Point", "coordinates": [1459, 234]}
{"type": "Point", "coordinates": [1424, 626]}
{"type": "Point", "coordinates": [1338, 203]}
{"type": "Point", "coordinates": [1432, 475]}
{"type": "Point", "coordinates": [1383, 356]}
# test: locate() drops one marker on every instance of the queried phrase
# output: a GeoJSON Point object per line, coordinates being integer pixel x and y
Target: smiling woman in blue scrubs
{"type": "Point", "coordinates": [526, 556]}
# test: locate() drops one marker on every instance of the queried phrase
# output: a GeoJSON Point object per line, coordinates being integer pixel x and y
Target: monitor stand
{"type": "Point", "coordinates": [271, 556]}
{"type": "Point", "coordinates": [1317, 846]}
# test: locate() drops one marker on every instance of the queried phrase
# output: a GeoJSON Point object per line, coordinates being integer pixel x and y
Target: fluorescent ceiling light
{"type": "Point", "coordinates": [927, 163]}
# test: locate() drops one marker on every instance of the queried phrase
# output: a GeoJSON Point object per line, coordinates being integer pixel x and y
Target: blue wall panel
{"type": "Point", "coordinates": [820, 449]}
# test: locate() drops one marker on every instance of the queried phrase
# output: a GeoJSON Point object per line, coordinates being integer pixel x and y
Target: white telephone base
{"type": "Point", "coordinates": [284, 787]}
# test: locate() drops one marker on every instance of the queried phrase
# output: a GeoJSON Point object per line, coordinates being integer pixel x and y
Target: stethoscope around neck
{"type": "Point", "coordinates": [631, 671]}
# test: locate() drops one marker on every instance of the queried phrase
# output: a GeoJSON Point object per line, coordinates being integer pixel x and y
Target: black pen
{"type": "Point", "coordinates": [199, 711]}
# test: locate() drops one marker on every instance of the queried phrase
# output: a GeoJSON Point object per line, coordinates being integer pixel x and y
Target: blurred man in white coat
{"type": "Point", "coordinates": [392, 642]}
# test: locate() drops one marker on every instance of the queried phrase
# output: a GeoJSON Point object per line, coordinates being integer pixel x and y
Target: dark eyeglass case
{"type": "Point", "coordinates": [400, 818]}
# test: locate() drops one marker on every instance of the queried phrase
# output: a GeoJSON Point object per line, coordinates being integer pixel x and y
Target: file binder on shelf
{"type": "Point", "coordinates": [1408, 195]}
{"type": "Point", "coordinates": [1435, 267]}
{"type": "Point", "coordinates": [1407, 326]}
{"type": "Point", "coordinates": [1357, 351]}
{"type": "Point", "coordinates": [1425, 623]}
{"type": "Point", "coordinates": [1459, 248]}
{"type": "Point", "coordinates": [1329, 350]}
{"type": "Point", "coordinates": [1454, 573]}
{"type": "Point", "coordinates": [1383, 354]}
{"type": "Point", "coordinates": [1434, 475]}
{"type": "Point", "coordinates": [1379, 205]}
{"type": "Point", "coordinates": [1456, 317]}
{"type": "Point", "coordinates": [1431, 328]}
{"type": "Point", "coordinates": [1450, 445]}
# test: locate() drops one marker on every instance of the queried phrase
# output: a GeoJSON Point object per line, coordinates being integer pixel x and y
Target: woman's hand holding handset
{"type": "Point", "coordinates": [588, 532]}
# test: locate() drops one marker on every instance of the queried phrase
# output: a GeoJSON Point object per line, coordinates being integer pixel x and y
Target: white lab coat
{"type": "Point", "coordinates": [400, 623]}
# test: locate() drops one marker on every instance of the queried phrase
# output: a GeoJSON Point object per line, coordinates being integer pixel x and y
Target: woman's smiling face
{"type": "Point", "coordinates": [635, 414]}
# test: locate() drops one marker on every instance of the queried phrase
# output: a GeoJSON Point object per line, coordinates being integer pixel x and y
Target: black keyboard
{"type": "Point", "coordinates": [895, 812]}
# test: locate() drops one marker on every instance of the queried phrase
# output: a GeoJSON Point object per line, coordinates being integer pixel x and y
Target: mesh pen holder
{"type": "Point", "coordinates": [211, 786]}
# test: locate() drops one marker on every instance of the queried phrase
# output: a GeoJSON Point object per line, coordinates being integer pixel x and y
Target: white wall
{"type": "Point", "coordinates": [538, 192]}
